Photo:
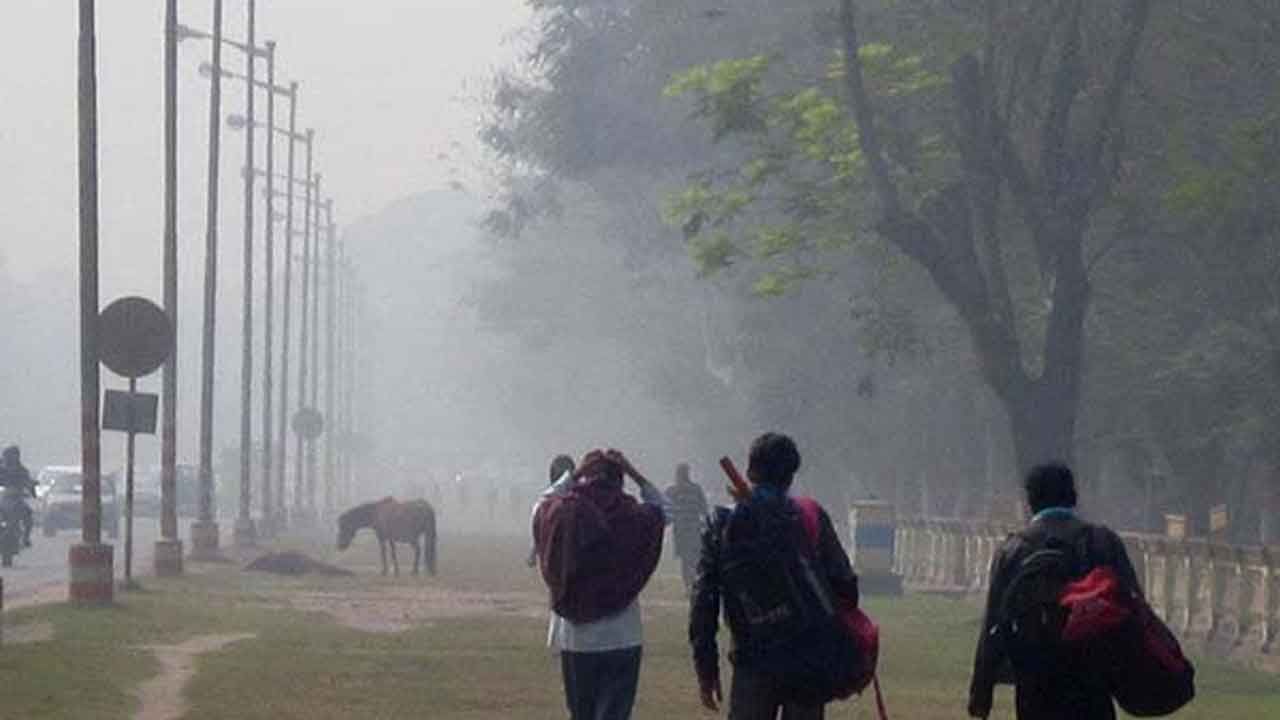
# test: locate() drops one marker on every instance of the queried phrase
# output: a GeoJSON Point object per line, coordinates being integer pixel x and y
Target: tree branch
{"type": "Point", "coordinates": [868, 137]}
{"type": "Point", "coordinates": [1113, 100]}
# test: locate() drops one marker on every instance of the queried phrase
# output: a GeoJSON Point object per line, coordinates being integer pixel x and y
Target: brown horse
{"type": "Point", "coordinates": [393, 521]}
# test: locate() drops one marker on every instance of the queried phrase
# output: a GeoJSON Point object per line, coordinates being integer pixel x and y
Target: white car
{"type": "Point", "coordinates": [59, 488]}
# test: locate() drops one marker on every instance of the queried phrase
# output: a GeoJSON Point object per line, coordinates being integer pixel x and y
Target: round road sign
{"type": "Point", "coordinates": [309, 423]}
{"type": "Point", "coordinates": [135, 337]}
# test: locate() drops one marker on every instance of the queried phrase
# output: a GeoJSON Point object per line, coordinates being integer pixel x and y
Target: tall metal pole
{"type": "Point", "coordinates": [286, 301]}
{"type": "Point", "coordinates": [268, 301]}
{"type": "Point", "coordinates": [344, 344]}
{"type": "Point", "coordinates": [331, 303]}
{"type": "Point", "coordinates": [168, 552]}
{"type": "Point", "coordinates": [317, 234]}
{"type": "Point", "coordinates": [91, 561]}
{"type": "Point", "coordinates": [204, 533]}
{"type": "Point", "coordinates": [244, 530]}
{"type": "Point", "coordinates": [300, 459]}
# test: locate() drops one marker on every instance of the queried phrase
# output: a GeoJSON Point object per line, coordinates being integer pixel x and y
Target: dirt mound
{"type": "Point", "coordinates": [294, 563]}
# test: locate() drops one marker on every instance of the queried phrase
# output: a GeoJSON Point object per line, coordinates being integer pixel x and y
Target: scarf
{"type": "Point", "coordinates": [597, 548]}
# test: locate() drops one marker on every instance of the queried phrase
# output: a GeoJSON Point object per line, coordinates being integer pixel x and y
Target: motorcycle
{"type": "Point", "coordinates": [10, 534]}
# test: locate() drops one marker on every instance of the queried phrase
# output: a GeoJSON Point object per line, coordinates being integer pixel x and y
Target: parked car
{"type": "Point", "coordinates": [59, 505]}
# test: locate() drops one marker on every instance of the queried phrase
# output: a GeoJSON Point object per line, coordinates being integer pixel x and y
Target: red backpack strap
{"type": "Point", "coordinates": [810, 517]}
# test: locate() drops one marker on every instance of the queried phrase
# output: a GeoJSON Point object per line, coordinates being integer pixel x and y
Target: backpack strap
{"type": "Point", "coordinates": [810, 518]}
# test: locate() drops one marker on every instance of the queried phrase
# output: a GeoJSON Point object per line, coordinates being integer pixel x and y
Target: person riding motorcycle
{"type": "Point", "coordinates": [15, 486]}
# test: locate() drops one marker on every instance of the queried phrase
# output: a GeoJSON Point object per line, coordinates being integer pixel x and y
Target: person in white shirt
{"type": "Point", "coordinates": [597, 547]}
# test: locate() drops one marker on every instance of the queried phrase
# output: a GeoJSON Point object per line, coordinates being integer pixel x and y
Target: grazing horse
{"type": "Point", "coordinates": [393, 521]}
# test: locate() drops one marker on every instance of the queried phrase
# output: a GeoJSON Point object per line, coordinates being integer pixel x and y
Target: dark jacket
{"type": "Point", "coordinates": [705, 606]}
{"type": "Point", "coordinates": [1067, 693]}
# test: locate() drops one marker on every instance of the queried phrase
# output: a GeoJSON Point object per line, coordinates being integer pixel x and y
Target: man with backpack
{"type": "Point", "coordinates": [1024, 621]}
{"type": "Point", "coordinates": [776, 566]}
{"type": "Point", "coordinates": [597, 547]}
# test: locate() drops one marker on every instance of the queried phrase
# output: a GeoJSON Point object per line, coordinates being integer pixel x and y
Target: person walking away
{"type": "Point", "coordinates": [597, 548]}
{"type": "Point", "coordinates": [561, 466]}
{"type": "Point", "coordinates": [16, 486]}
{"type": "Point", "coordinates": [736, 561]}
{"type": "Point", "coordinates": [1049, 683]}
{"type": "Point", "coordinates": [688, 515]}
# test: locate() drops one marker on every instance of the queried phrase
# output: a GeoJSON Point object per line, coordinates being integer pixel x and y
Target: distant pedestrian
{"type": "Point", "coordinates": [561, 467]}
{"type": "Point", "coordinates": [688, 515]}
{"type": "Point", "coordinates": [1052, 685]}
{"type": "Point", "coordinates": [777, 590]}
{"type": "Point", "coordinates": [597, 548]}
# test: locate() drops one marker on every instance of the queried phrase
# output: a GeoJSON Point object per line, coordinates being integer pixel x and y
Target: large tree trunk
{"type": "Point", "coordinates": [957, 235]}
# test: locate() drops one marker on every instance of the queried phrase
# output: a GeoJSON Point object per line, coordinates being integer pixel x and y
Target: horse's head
{"type": "Point", "coordinates": [348, 524]}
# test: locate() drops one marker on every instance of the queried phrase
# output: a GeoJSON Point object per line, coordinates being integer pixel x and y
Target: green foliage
{"type": "Point", "coordinates": [799, 190]}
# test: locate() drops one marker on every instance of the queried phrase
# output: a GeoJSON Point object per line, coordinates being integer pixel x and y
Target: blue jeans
{"type": "Point", "coordinates": [600, 685]}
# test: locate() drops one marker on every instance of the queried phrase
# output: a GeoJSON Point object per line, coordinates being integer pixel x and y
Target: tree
{"type": "Point", "coordinates": [988, 181]}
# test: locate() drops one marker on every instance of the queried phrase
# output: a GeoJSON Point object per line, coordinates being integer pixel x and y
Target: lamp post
{"type": "Point", "coordinates": [331, 300]}
{"type": "Point", "coordinates": [169, 550]}
{"type": "Point", "coordinates": [204, 532]}
{"type": "Point", "coordinates": [286, 309]}
{"type": "Point", "coordinates": [245, 532]}
{"type": "Point", "coordinates": [268, 302]}
{"type": "Point", "coordinates": [299, 458]}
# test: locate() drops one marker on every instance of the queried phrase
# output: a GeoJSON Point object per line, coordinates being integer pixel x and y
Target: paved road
{"type": "Point", "coordinates": [39, 573]}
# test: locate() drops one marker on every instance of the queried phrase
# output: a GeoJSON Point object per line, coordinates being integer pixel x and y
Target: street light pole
{"type": "Point", "coordinates": [268, 510]}
{"type": "Point", "coordinates": [245, 534]}
{"type": "Point", "coordinates": [92, 576]}
{"type": "Point", "coordinates": [313, 399]}
{"type": "Point", "coordinates": [168, 551]}
{"type": "Point", "coordinates": [286, 300]}
{"type": "Point", "coordinates": [204, 533]}
{"type": "Point", "coordinates": [331, 300]}
{"type": "Point", "coordinates": [299, 459]}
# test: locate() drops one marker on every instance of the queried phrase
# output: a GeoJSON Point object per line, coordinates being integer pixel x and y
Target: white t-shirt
{"type": "Point", "coordinates": [616, 632]}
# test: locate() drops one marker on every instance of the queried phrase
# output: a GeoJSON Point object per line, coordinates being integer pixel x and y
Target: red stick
{"type": "Point", "coordinates": [738, 487]}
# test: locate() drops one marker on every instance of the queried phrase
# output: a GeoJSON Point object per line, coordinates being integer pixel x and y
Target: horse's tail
{"type": "Point", "coordinates": [429, 537]}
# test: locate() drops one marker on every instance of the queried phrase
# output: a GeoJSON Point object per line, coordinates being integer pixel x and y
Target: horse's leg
{"type": "Point", "coordinates": [417, 554]}
{"type": "Point", "coordinates": [382, 551]}
{"type": "Point", "coordinates": [431, 550]}
{"type": "Point", "coordinates": [395, 562]}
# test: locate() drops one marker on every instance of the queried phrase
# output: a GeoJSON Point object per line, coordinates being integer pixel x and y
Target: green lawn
{"type": "Point", "coordinates": [484, 661]}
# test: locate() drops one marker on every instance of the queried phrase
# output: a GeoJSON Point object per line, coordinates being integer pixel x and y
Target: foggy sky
{"type": "Point", "coordinates": [388, 85]}
{"type": "Point", "coordinates": [382, 81]}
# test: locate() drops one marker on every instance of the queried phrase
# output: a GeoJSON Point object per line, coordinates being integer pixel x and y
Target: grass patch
{"type": "Point", "coordinates": [486, 662]}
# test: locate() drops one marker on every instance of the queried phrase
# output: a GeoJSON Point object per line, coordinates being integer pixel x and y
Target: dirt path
{"type": "Point", "coordinates": [396, 609]}
{"type": "Point", "coordinates": [162, 696]}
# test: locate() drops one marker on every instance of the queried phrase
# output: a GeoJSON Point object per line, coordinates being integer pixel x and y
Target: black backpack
{"type": "Point", "coordinates": [1031, 615]}
{"type": "Point", "coordinates": [791, 628]}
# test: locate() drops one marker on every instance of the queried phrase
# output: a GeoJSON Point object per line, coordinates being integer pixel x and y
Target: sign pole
{"type": "Point", "coordinates": [128, 487]}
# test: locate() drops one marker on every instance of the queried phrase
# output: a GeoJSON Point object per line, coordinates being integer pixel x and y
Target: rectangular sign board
{"type": "Point", "coordinates": [124, 412]}
{"type": "Point", "coordinates": [1218, 518]}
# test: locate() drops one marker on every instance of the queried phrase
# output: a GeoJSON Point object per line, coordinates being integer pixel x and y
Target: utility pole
{"type": "Point", "coordinates": [168, 551]}
{"type": "Point", "coordinates": [204, 533]}
{"type": "Point", "coordinates": [245, 534]}
{"type": "Point", "coordinates": [286, 300]}
{"type": "Point", "coordinates": [269, 269]}
{"type": "Point", "coordinates": [92, 576]}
